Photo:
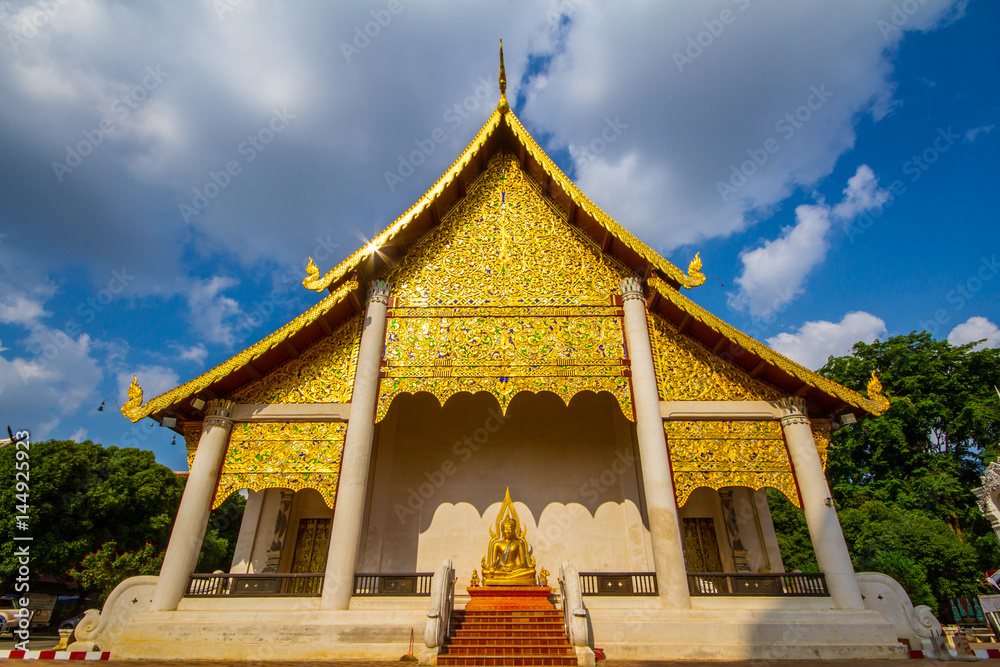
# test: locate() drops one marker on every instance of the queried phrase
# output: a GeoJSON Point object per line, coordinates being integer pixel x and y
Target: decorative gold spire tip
{"type": "Point", "coordinates": [694, 276]}
{"type": "Point", "coordinates": [312, 280]}
{"type": "Point", "coordinates": [134, 403]}
{"type": "Point", "coordinates": [502, 105]}
{"type": "Point", "coordinates": [879, 403]}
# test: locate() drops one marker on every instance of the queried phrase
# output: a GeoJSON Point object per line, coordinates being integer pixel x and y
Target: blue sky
{"type": "Point", "coordinates": [867, 213]}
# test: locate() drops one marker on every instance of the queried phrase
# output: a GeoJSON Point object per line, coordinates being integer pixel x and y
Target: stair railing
{"type": "Point", "coordinates": [574, 611]}
{"type": "Point", "coordinates": [442, 602]}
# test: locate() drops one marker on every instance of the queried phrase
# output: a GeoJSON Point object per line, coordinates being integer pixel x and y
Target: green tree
{"type": "Point", "coordinates": [83, 496]}
{"type": "Point", "coordinates": [903, 481]}
{"type": "Point", "coordinates": [102, 570]}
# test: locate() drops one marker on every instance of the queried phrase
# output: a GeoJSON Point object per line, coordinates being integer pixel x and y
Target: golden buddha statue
{"type": "Point", "coordinates": [508, 560]}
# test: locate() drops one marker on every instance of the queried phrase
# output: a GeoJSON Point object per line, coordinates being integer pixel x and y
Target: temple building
{"type": "Point", "coordinates": [505, 402]}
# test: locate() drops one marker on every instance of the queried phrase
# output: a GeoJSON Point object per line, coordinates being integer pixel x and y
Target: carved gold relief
{"type": "Point", "coordinates": [299, 455]}
{"type": "Point", "coordinates": [821, 434]}
{"type": "Point", "coordinates": [503, 388]}
{"type": "Point", "coordinates": [505, 244]}
{"type": "Point", "coordinates": [718, 454]}
{"type": "Point", "coordinates": [688, 371]}
{"type": "Point", "coordinates": [323, 373]}
{"type": "Point", "coordinates": [508, 341]}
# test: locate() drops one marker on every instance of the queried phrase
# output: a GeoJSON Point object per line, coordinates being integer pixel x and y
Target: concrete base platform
{"type": "Point", "coordinates": [302, 632]}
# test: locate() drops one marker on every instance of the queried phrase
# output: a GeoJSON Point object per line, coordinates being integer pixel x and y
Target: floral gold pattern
{"type": "Point", "coordinates": [323, 373]}
{"type": "Point", "coordinates": [718, 454]}
{"type": "Point", "coordinates": [688, 371]}
{"type": "Point", "coordinates": [505, 296]}
{"type": "Point", "coordinates": [821, 435]}
{"type": "Point", "coordinates": [299, 455]}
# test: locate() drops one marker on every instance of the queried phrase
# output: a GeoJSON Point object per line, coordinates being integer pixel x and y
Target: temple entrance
{"type": "Point", "coordinates": [440, 472]}
{"type": "Point", "coordinates": [311, 545]}
{"type": "Point", "coordinates": [701, 546]}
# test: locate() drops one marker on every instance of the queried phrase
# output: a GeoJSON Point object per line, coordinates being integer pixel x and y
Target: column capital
{"type": "Point", "coordinates": [793, 410]}
{"type": "Point", "coordinates": [378, 292]}
{"type": "Point", "coordinates": [219, 412]}
{"type": "Point", "coordinates": [631, 288]}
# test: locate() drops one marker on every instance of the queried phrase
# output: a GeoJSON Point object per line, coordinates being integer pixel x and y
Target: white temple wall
{"type": "Point", "coordinates": [440, 474]}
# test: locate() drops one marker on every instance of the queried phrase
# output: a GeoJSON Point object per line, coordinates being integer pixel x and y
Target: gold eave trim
{"type": "Point", "coordinates": [134, 409]}
{"type": "Point", "coordinates": [763, 351]}
{"type": "Point", "coordinates": [691, 279]}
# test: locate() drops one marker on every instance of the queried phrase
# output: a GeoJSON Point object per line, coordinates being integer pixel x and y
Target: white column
{"type": "Point", "coordinates": [817, 503]}
{"type": "Point", "coordinates": [192, 515]}
{"type": "Point", "coordinates": [348, 515]}
{"type": "Point", "coordinates": [243, 553]}
{"type": "Point", "coordinates": [661, 503]}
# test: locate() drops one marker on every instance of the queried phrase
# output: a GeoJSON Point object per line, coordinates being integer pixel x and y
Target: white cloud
{"type": "Point", "coordinates": [196, 353]}
{"type": "Point", "coordinates": [53, 382]}
{"type": "Point", "coordinates": [774, 273]}
{"type": "Point", "coordinates": [19, 309]}
{"type": "Point", "coordinates": [691, 124]}
{"type": "Point", "coordinates": [80, 434]}
{"type": "Point", "coordinates": [970, 135]}
{"type": "Point", "coordinates": [973, 329]}
{"type": "Point", "coordinates": [154, 381]}
{"type": "Point", "coordinates": [814, 342]}
{"type": "Point", "coordinates": [861, 194]}
{"type": "Point", "coordinates": [210, 313]}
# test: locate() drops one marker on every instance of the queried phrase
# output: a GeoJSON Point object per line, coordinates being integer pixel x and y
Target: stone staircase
{"type": "Point", "coordinates": [507, 637]}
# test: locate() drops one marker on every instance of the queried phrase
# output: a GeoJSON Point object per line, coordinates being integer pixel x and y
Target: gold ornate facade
{"type": "Point", "coordinates": [324, 373]}
{"type": "Point", "coordinates": [302, 455]}
{"type": "Point", "coordinates": [503, 297]}
{"type": "Point", "coordinates": [717, 454]}
{"type": "Point", "coordinates": [688, 371]}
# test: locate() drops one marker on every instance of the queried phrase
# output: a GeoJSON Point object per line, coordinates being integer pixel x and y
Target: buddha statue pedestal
{"type": "Point", "coordinates": [486, 598]}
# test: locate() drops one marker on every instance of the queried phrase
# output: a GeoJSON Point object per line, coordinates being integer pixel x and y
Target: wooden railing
{"type": "Point", "coordinates": [418, 583]}
{"type": "Point", "coordinates": [618, 583]}
{"type": "Point", "coordinates": [254, 585]}
{"type": "Point", "coordinates": [792, 584]}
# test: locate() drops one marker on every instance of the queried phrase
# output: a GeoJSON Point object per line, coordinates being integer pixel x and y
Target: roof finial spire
{"type": "Point", "coordinates": [502, 105]}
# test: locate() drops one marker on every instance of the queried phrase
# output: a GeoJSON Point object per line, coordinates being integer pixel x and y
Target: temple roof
{"type": "Point", "coordinates": [503, 131]}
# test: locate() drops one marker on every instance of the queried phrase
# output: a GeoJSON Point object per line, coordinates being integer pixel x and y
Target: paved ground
{"type": "Point", "coordinates": [603, 663]}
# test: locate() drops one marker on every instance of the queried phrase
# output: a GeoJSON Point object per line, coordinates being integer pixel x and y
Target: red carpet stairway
{"type": "Point", "coordinates": [508, 637]}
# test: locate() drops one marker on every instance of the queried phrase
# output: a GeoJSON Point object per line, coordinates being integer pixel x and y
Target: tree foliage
{"type": "Point", "coordinates": [903, 481]}
{"type": "Point", "coordinates": [84, 496]}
